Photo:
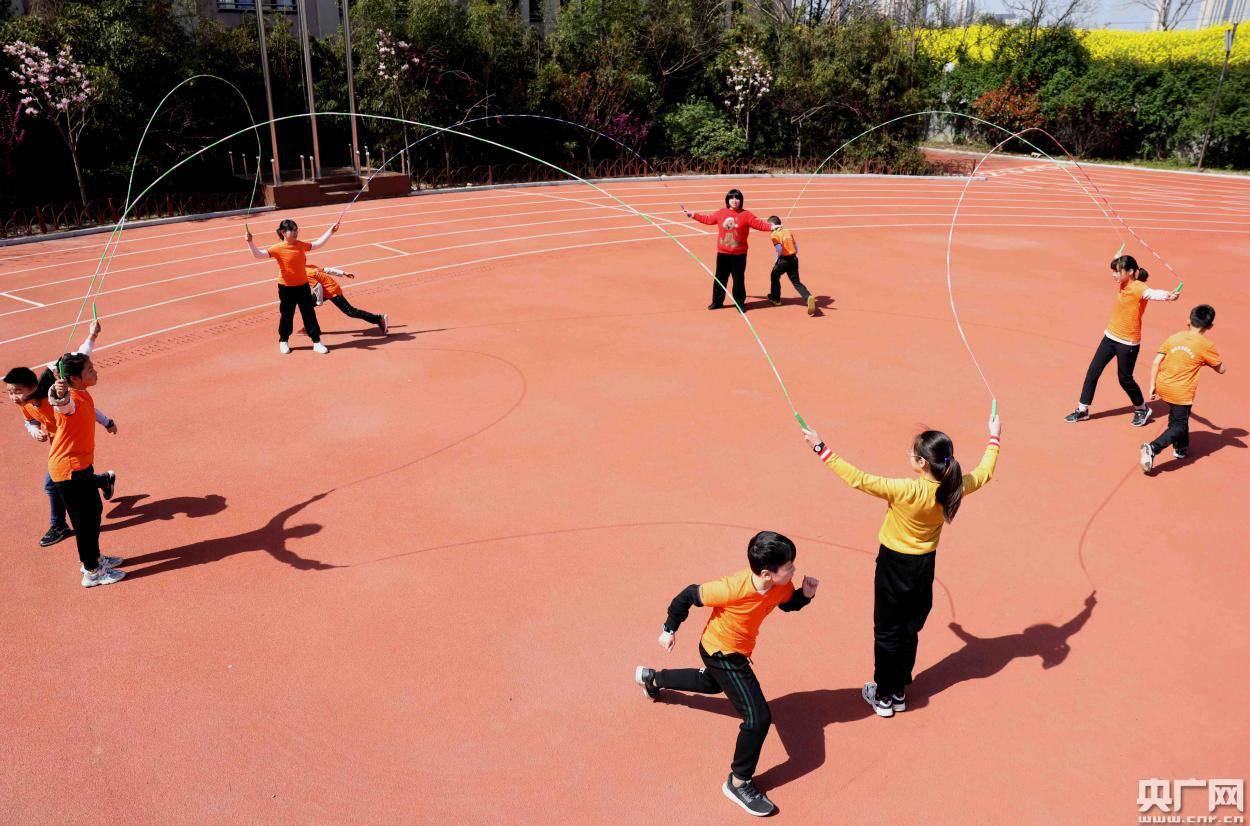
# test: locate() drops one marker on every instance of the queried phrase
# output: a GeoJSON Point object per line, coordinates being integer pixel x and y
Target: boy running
{"type": "Point", "coordinates": [1174, 378]}
{"type": "Point", "coordinates": [325, 287]}
{"type": "Point", "coordinates": [739, 603]}
{"type": "Point", "coordinates": [787, 263]}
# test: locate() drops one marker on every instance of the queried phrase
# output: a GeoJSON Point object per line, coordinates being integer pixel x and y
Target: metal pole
{"type": "Point", "coordinates": [1228, 48]}
{"type": "Point", "coordinates": [351, 88]}
{"type": "Point", "coordinates": [264, 65]}
{"type": "Point", "coordinates": [302, 6]}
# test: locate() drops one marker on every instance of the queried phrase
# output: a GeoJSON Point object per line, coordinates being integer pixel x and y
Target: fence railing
{"type": "Point", "coordinates": [440, 177]}
{"type": "Point", "coordinates": [39, 220]}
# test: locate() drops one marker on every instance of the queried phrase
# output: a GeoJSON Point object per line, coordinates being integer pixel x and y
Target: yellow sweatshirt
{"type": "Point", "coordinates": [913, 519]}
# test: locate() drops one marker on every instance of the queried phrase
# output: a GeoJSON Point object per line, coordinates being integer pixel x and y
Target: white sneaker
{"type": "Point", "coordinates": [105, 562]}
{"type": "Point", "coordinates": [284, 348]}
{"type": "Point", "coordinates": [102, 576]}
{"type": "Point", "coordinates": [320, 348]}
{"type": "Point", "coordinates": [386, 323]}
{"type": "Point", "coordinates": [1147, 458]}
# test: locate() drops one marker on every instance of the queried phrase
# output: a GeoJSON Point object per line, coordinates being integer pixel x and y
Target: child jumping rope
{"type": "Point", "coordinates": [1122, 339]}
{"type": "Point", "coordinates": [739, 604]}
{"type": "Point", "coordinates": [293, 289]}
{"type": "Point", "coordinates": [30, 394]}
{"type": "Point", "coordinates": [787, 263]}
{"type": "Point", "coordinates": [1174, 378]}
{"type": "Point", "coordinates": [325, 287]}
{"type": "Point", "coordinates": [70, 464]}
{"type": "Point", "coordinates": [903, 586]}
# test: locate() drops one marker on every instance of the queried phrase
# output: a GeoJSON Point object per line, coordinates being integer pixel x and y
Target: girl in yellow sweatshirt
{"type": "Point", "coordinates": [915, 512]}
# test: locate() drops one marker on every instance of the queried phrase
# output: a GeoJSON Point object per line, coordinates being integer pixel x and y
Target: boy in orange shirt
{"type": "Point", "coordinates": [325, 287]}
{"type": "Point", "coordinates": [787, 263]}
{"type": "Point", "coordinates": [70, 465]}
{"type": "Point", "coordinates": [1122, 339]}
{"type": "Point", "coordinates": [1174, 378]}
{"type": "Point", "coordinates": [30, 394]}
{"type": "Point", "coordinates": [739, 604]}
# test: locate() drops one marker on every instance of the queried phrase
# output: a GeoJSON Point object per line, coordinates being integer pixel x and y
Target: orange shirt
{"type": "Point", "coordinates": [329, 286]}
{"type": "Point", "coordinates": [1184, 355]}
{"type": "Point", "coordinates": [291, 264]}
{"type": "Point", "coordinates": [40, 411]}
{"type": "Point", "coordinates": [785, 237]}
{"type": "Point", "coordinates": [73, 446]}
{"type": "Point", "coordinates": [737, 611]}
{"type": "Point", "coordinates": [1130, 305]}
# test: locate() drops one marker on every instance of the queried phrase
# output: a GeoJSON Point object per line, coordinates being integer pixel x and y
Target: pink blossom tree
{"type": "Point", "coordinates": [57, 89]}
{"type": "Point", "coordinates": [749, 82]}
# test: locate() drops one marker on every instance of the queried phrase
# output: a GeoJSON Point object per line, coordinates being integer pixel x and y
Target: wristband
{"type": "Point", "coordinates": [818, 447]}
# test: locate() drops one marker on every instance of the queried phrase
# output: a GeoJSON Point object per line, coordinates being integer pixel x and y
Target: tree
{"type": "Point", "coordinates": [10, 135]}
{"type": "Point", "coordinates": [749, 82]}
{"type": "Point", "coordinates": [58, 90]}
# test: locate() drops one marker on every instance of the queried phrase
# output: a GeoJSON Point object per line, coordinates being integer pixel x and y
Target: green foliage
{"type": "Point", "coordinates": [702, 130]}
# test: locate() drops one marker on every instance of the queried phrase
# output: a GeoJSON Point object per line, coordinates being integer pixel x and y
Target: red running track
{"type": "Point", "coordinates": [410, 580]}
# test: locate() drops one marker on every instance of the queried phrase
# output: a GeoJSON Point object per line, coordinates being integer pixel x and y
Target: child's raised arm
{"type": "Point", "coordinates": [256, 251]}
{"type": "Point", "coordinates": [801, 596]}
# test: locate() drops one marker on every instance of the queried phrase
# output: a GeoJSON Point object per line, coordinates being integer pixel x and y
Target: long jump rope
{"type": "Point", "coordinates": [1097, 197]}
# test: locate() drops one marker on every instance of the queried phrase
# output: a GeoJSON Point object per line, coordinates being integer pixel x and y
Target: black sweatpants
{"type": "Point", "coordinates": [787, 265]}
{"type": "Point", "coordinates": [81, 497]}
{"type": "Point", "coordinates": [1177, 433]}
{"type": "Point", "coordinates": [343, 304]}
{"type": "Point", "coordinates": [903, 598]}
{"type": "Point", "coordinates": [730, 267]}
{"type": "Point", "coordinates": [1125, 356]}
{"type": "Point", "coordinates": [731, 674]}
{"type": "Point", "coordinates": [288, 299]}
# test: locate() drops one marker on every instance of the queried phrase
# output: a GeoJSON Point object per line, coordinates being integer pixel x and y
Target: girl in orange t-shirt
{"type": "Point", "coordinates": [30, 394]}
{"type": "Point", "coordinates": [70, 464]}
{"type": "Point", "coordinates": [293, 289]}
{"type": "Point", "coordinates": [1122, 339]}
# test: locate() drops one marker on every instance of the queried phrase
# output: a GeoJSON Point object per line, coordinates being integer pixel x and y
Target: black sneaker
{"type": "Point", "coordinates": [716, 306]}
{"type": "Point", "coordinates": [645, 677]}
{"type": "Point", "coordinates": [110, 482]}
{"type": "Point", "coordinates": [1180, 454]}
{"type": "Point", "coordinates": [776, 302]}
{"type": "Point", "coordinates": [899, 701]}
{"type": "Point", "coordinates": [1141, 416]}
{"type": "Point", "coordinates": [1077, 415]}
{"type": "Point", "coordinates": [55, 534]}
{"type": "Point", "coordinates": [748, 797]}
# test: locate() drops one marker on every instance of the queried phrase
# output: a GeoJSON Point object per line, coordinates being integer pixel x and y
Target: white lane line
{"type": "Point", "coordinates": [26, 300]}
{"type": "Point", "coordinates": [392, 249]}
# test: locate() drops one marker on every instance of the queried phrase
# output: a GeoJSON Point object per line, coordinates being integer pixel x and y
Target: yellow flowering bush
{"type": "Point", "coordinates": [1202, 45]}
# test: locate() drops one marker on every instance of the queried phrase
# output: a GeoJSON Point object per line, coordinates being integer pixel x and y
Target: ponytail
{"type": "Point", "coordinates": [936, 448]}
{"type": "Point", "coordinates": [1142, 274]}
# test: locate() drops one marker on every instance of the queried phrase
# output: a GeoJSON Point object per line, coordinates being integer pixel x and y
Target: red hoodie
{"type": "Point", "coordinates": [733, 241]}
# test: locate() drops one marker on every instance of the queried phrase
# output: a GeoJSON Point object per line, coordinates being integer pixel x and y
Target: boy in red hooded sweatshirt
{"type": "Point", "coordinates": [733, 224]}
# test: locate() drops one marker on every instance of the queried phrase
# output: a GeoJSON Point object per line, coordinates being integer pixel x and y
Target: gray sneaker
{"type": "Point", "coordinates": [1141, 417]}
{"type": "Point", "coordinates": [102, 576]}
{"type": "Point", "coordinates": [883, 706]}
{"type": "Point", "coordinates": [105, 562]}
{"type": "Point", "coordinates": [748, 797]}
{"type": "Point", "coordinates": [1147, 458]}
